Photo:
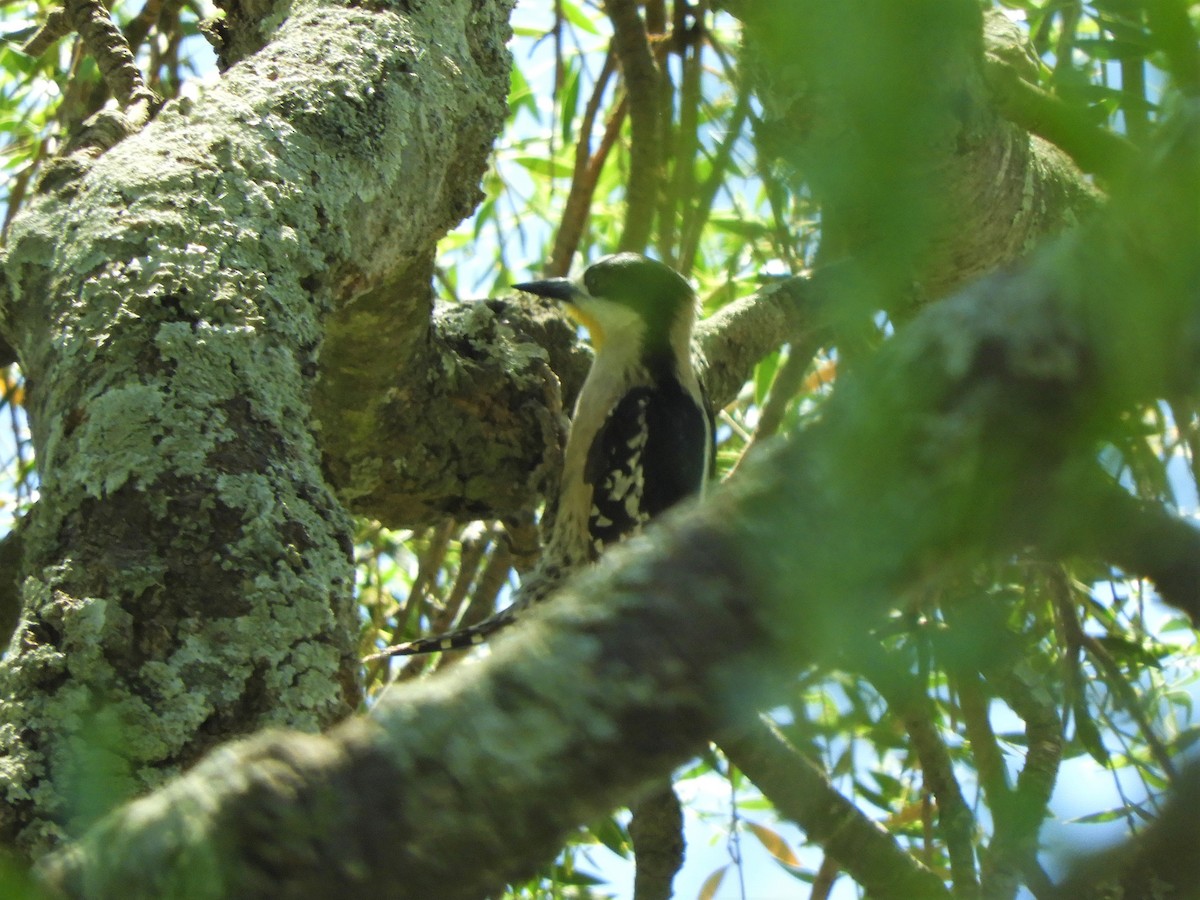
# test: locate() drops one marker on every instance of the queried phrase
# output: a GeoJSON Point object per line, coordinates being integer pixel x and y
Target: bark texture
{"type": "Point", "coordinates": [968, 435]}
{"type": "Point", "coordinates": [885, 112]}
{"type": "Point", "coordinates": [188, 573]}
{"type": "Point", "coordinates": [966, 192]}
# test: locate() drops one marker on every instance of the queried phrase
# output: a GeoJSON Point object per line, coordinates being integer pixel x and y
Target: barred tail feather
{"type": "Point", "coordinates": [462, 639]}
{"type": "Point", "coordinates": [533, 590]}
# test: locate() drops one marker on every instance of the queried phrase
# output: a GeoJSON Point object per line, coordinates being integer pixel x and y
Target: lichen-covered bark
{"type": "Point", "coordinates": [187, 571]}
{"type": "Point", "coordinates": [969, 434]}
{"type": "Point", "coordinates": [455, 785]}
{"type": "Point", "coordinates": [884, 112]}
{"type": "Point", "coordinates": [466, 422]}
{"type": "Point", "coordinates": [959, 193]}
{"type": "Point", "coordinates": [472, 425]}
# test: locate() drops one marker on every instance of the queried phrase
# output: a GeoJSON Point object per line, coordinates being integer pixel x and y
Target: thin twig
{"type": "Point", "coordinates": [1035, 783]}
{"type": "Point", "coordinates": [957, 823]}
{"type": "Point", "coordinates": [1123, 693]}
{"type": "Point", "coordinates": [642, 81]}
{"type": "Point", "coordinates": [473, 547]}
{"type": "Point", "coordinates": [429, 563]}
{"type": "Point", "coordinates": [694, 223]}
{"type": "Point", "coordinates": [1096, 150]}
{"type": "Point", "coordinates": [109, 48]}
{"type": "Point", "coordinates": [989, 761]}
{"type": "Point", "coordinates": [588, 166]}
{"type": "Point", "coordinates": [139, 26]}
{"type": "Point", "coordinates": [56, 26]}
{"type": "Point", "coordinates": [687, 144]}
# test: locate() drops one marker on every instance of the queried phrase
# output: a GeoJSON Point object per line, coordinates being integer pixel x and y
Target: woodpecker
{"type": "Point", "coordinates": [641, 436]}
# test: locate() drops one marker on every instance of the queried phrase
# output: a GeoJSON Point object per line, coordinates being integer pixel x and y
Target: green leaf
{"type": "Point", "coordinates": [764, 375]}
{"type": "Point", "coordinates": [1185, 739]}
{"type": "Point", "coordinates": [612, 835]}
{"type": "Point", "coordinates": [568, 102]}
{"type": "Point", "coordinates": [1129, 651]}
{"type": "Point", "coordinates": [774, 844]}
{"type": "Point", "coordinates": [577, 17]}
{"type": "Point", "coordinates": [1088, 734]}
{"type": "Point", "coordinates": [748, 228]}
{"type": "Point", "coordinates": [712, 883]}
{"type": "Point", "coordinates": [541, 166]}
{"type": "Point", "coordinates": [1100, 48]}
{"type": "Point", "coordinates": [520, 94]}
{"type": "Point", "coordinates": [1098, 818]}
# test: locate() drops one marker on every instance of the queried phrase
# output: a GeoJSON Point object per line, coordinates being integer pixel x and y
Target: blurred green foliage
{"type": "Point", "coordinates": [985, 664]}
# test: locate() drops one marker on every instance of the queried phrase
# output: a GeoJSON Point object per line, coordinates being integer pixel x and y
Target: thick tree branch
{"type": "Point", "coordinates": [110, 49]}
{"type": "Point", "coordinates": [656, 833]}
{"type": "Point", "coordinates": [1011, 73]}
{"type": "Point", "coordinates": [404, 791]}
{"type": "Point", "coordinates": [483, 439]}
{"type": "Point", "coordinates": [187, 575]}
{"type": "Point", "coordinates": [1093, 148]}
{"type": "Point", "coordinates": [1003, 191]}
{"type": "Point", "coordinates": [460, 417]}
{"type": "Point", "coordinates": [961, 439]}
{"type": "Point", "coordinates": [890, 122]}
{"type": "Point", "coordinates": [55, 27]}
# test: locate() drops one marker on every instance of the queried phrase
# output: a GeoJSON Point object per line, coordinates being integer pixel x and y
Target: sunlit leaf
{"type": "Point", "coordinates": [577, 17]}
{"type": "Point", "coordinates": [709, 888]}
{"type": "Point", "coordinates": [774, 843]}
{"type": "Point", "coordinates": [612, 835]}
{"type": "Point", "coordinates": [539, 165]}
{"type": "Point", "coordinates": [520, 94]}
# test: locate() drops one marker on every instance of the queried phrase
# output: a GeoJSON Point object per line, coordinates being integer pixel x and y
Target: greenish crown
{"type": "Point", "coordinates": [656, 292]}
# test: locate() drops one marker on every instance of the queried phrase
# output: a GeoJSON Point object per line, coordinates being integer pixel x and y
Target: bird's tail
{"type": "Point", "coordinates": [535, 588]}
{"type": "Point", "coordinates": [463, 639]}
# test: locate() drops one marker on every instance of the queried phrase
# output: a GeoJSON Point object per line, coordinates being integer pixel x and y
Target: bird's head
{"type": "Point", "coordinates": [626, 296]}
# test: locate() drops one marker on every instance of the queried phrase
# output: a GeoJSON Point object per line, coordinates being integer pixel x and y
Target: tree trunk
{"type": "Point", "coordinates": [188, 573]}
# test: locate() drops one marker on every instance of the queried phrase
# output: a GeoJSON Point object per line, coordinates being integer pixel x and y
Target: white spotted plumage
{"type": "Point", "coordinates": [641, 434]}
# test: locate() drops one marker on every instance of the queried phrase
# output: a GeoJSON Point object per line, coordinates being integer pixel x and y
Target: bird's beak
{"type": "Point", "coordinates": [566, 291]}
{"type": "Point", "coordinates": [561, 289]}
